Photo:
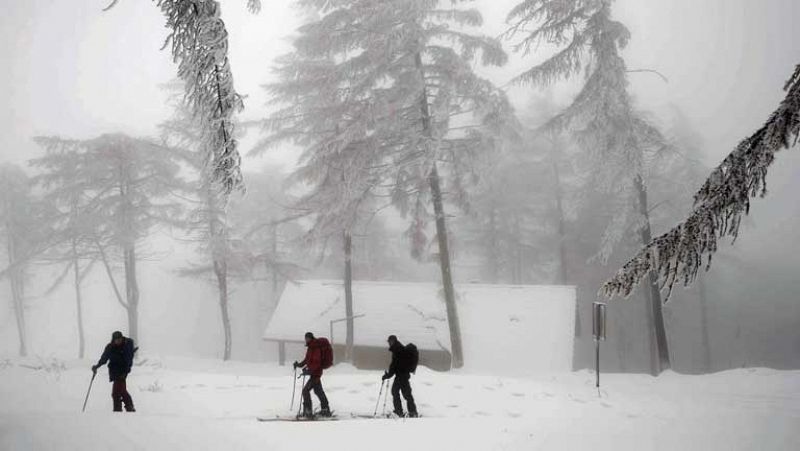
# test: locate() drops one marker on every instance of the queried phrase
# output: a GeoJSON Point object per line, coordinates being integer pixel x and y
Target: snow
{"type": "Point", "coordinates": [531, 320]}
{"type": "Point", "coordinates": [206, 404]}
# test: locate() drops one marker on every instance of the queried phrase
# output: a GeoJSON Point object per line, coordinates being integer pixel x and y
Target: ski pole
{"type": "Point", "coordinates": [294, 388]}
{"type": "Point", "coordinates": [300, 405]}
{"type": "Point", "coordinates": [378, 401]}
{"type": "Point", "coordinates": [94, 373]}
{"type": "Point", "coordinates": [385, 397]}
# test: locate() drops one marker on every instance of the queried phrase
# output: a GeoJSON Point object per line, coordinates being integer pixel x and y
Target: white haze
{"type": "Point", "coordinates": [72, 70]}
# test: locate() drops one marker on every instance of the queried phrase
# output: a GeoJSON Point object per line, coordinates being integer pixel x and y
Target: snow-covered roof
{"type": "Point", "coordinates": [498, 322]}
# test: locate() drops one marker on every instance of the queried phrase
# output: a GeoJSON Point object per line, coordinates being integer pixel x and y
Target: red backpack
{"type": "Point", "coordinates": [326, 352]}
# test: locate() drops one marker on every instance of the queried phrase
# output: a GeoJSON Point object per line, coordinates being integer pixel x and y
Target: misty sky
{"type": "Point", "coordinates": [70, 69]}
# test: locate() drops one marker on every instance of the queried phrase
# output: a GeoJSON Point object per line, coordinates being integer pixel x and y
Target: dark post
{"type": "Point", "coordinates": [599, 333]}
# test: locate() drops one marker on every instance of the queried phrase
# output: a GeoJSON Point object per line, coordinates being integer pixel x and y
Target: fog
{"type": "Point", "coordinates": [71, 70]}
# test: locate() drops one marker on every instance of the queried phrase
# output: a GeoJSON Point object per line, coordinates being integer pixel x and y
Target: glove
{"type": "Point", "coordinates": [306, 372]}
{"type": "Point", "coordinates": [94, 368]}
{"type": "Point", "coordinates": [296, 365]}
{"type": "Point", "coordinates": [385, 376]}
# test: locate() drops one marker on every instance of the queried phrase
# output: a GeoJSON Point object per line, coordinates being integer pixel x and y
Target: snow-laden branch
{"type": "Point", "coordinates": [719, 205]}
{"type": "Point", "coordinates": [200, 47]}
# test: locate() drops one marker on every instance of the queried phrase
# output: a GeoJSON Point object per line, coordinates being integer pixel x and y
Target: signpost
{"type": "Point", "coordinates": [599, 332]}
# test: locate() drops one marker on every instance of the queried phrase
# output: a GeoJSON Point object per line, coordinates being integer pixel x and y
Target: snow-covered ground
{"type": "Point", "coordinates": [202, 404]}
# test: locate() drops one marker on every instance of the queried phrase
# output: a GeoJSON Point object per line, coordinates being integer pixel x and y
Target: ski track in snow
{"type": "Point", "coordinates": [201, 404]}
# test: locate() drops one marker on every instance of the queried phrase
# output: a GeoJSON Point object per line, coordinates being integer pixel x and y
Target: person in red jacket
{"type": "Point", "coordinates": [313, 369]}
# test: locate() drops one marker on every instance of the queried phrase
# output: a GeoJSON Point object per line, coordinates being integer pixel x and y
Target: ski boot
{"type": "Point", "coordinates": [325, 413]}
{"type": "Point", "coordinates": [413, 414]}
{"type": "Point", "coordinates": [306, 414]}
{"type": "Point", "coordinates": [399, 413]}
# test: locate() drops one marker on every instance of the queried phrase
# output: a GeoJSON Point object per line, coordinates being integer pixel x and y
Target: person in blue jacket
{"type": "Point", "coordinates": [119, 355]}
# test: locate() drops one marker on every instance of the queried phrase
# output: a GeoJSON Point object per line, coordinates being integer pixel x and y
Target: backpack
{"type": "Point", "coordinates": [411, 357]}
{"type": "Point", "coordinates": [326, 352]}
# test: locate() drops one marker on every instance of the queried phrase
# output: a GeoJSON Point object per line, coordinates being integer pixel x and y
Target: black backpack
{"type": "Point", "coordinates": [411, 357]}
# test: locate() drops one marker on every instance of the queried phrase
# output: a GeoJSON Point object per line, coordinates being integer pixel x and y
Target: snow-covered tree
{"type": "Point", "coordinates": [719, 205]}
{"type": "Point", "coordinates": [206, 222]}
{"type": "Point", "coordinates": [68, 195]}
{"type": "Point", "coordinates": [199, 43]}
{"type": "Point", "coordinates": [324, 113]}
{"type": "Point", "coordinates": [620, 144]}
{"type": "Point", "coordinates": [129, 182]}
{"type": "Point", "coordinates": [384, 92]}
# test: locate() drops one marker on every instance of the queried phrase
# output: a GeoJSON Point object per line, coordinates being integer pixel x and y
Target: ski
{"type": "Point", "coordinates": [296, 419]}
{"type": "Point", "coordinates": [380, 417]}
{"type": "Point", "coordinates": [333, 417]}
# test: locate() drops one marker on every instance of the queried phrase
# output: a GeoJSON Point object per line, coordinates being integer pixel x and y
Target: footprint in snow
{"type": "Point", "coordinates": [605, 404]}
{"type": "Point", "coordinates": [429, 384]}
{"type": "Point", "coordinates": [485, 387]}
{"type": "Point", "coordinates": [518, 395]}
{"type": "Point", "coordinates": [481, 413]}
{"type": "Point", "coordinates": [452, 406]}
{"type": "Point", "coordinates": [353, 392]}
{"type": "Point", "coordinates": [514, 414]}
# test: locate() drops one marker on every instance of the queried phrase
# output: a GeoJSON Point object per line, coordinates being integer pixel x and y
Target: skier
{"type": "Point", "coordinates": [404, 362]}
{"type": "Point", "coordinates": [314, 364]}
{"type": "Point", "coordinates": [119, 355]}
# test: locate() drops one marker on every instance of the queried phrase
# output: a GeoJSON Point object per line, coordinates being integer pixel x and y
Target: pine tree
{"type": "Point", "coordinates": [719, 205]}
{"type": "Point", "coordinates": [619, 142]}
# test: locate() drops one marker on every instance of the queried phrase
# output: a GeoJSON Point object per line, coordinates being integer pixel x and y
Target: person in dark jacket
{"type": "Point", "coordinates": [313, 369]}
{"type": "Point", "coordinates": [119, 355]}
{"type": "Point", "coordinates": [399, 368]}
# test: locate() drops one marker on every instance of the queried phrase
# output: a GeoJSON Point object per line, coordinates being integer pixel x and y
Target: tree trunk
{"type": "Point", "coordinates": [221, 271]}
{"type": "Point", "coordinates": [348, 295]}
{"type": "Point", "coordinates": [78, 300]}
{"type": "Point", "coordinates": [131, 291]}
{"type": "Point", "coordinates": [703, 295]}
{"type": "Point", "coordinates": [441, 233]}
{"type": "Point", "coordinates": [494, 259]}
{"type": "Point", "coordinates": [444, 263]}
{"type": "Point", "coordinates": [17, 292]}
{"type": "Point", "coordinates": [560, 227]}
{"type": "Point", "coordinates": [660, 353]}
{"type": "Point", "coordinates": [18, 296]}
{"type": "Point", "coordinates": [517, 265]}
{"type": "Point", "coordinates": [273, 267]}
{"type": "Point", "coordinates": [561, 230]}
